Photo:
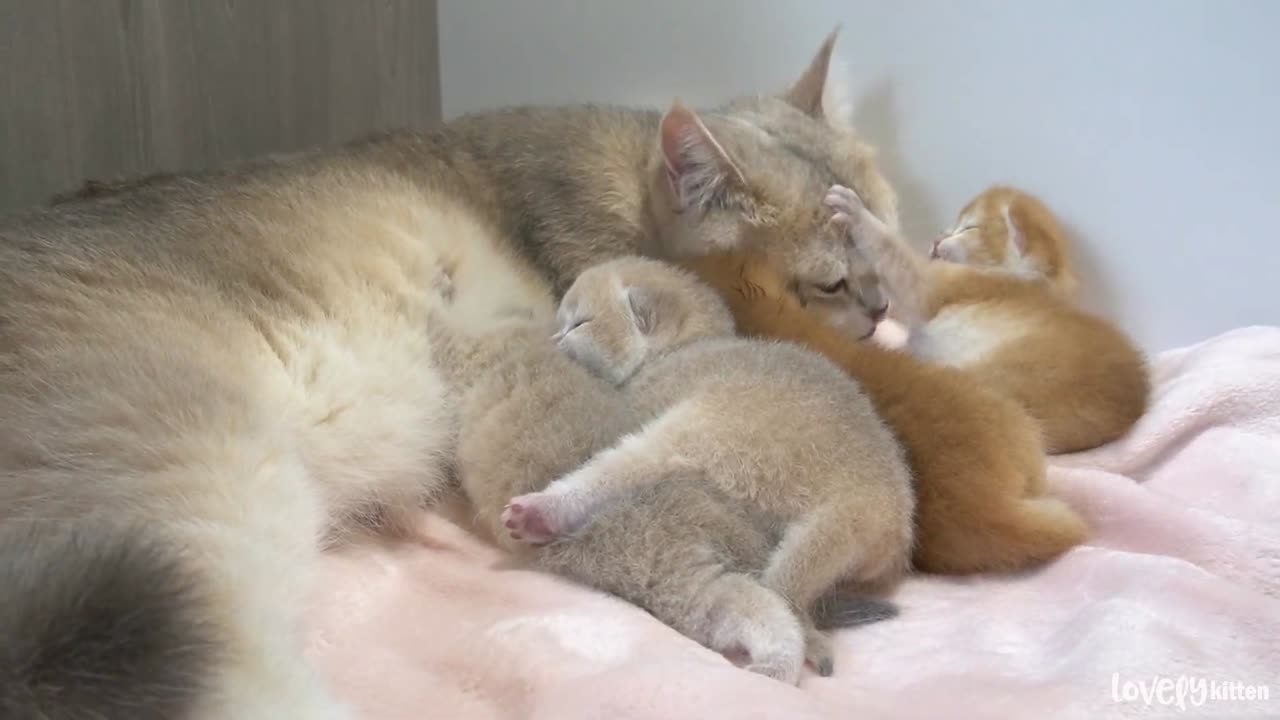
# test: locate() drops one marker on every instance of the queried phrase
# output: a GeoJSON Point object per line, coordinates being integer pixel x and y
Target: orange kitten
{"type": "Point", "coordinates": [997, 303]}
{"type": "Point", "coordinates": [1009, 229]}
{"type": "Point", "coordinates": [975, 455]}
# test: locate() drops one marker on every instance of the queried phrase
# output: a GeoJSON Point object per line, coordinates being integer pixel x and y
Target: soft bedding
{"type": "Point", "coordinates": [1172, 608]}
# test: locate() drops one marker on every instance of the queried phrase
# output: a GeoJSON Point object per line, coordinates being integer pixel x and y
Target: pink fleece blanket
{"type": "Point", "coordinates": [1175, 602]}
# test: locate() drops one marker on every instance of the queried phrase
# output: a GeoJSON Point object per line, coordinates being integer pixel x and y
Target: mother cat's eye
{"type": "Point", "coordinates": [834, 288]}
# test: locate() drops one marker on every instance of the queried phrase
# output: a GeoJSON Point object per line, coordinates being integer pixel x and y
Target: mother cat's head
{"type": "Point", "coordinates": [752, 174]}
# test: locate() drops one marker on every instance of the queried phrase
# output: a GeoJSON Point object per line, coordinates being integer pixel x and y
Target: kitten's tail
{"type": "Point", "coordinates": [1015, 534]}
{"type": "Point", "coordinates": [1038, 529]}
{"type": "Point", "coordinates": [99, 620]}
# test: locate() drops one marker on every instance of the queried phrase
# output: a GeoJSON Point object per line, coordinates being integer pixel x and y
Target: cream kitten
{"type": "Point", "coordinates": [770, 423]}
{"type": "Point", "coordinates": [680, 548]}
{"type": "Point", "coordinates": [997, 305]}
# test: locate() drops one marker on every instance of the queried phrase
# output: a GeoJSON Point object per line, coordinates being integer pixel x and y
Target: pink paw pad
{"type": "Point", "coordinates": [527, 520]}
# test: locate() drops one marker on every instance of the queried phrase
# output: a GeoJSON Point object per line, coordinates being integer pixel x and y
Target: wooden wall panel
{"type": "Point", "coordinates": [101, 88]}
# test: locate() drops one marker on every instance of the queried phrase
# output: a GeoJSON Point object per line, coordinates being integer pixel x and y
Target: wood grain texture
{"type": "Point", "coordinates": [95, 89]}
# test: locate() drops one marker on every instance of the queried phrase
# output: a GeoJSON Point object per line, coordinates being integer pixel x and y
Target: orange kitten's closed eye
{"type": "Point", "coordinates": [1011, 230]}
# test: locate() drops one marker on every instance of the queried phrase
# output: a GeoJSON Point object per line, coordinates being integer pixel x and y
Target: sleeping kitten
{"type": "Point", "coordinates": [1000, 311]}
{"type": "Point", "coordinates": [769, 423]}
{"type": "Point", "coordinates": [681, 548]}
{"type": "Point", "coordinates": [1011, 230]}
{"type": "Point", "coordinates": [975, 455]}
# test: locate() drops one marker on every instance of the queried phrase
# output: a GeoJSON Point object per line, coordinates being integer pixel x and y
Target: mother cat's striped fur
{"type": "Point", "coordinates": [203, 380]}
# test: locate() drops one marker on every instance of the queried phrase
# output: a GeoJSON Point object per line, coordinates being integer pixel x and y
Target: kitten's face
{"type": "Point", "coordinates": [598, 328]}
{"type": "Point", "coordinates": [978, 237]}
{"type": "Point", "coordinates": [618, 315]}
{"type": "Point", "coordinates": [751, 176]}
{"type": "Point", "coordinates": [1009, 230]}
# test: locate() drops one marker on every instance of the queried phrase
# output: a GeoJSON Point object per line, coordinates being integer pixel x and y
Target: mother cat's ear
{"type": "Point", "coordinates": [700, 171]}
{"type": "Point", "coordinates": [823, 90]}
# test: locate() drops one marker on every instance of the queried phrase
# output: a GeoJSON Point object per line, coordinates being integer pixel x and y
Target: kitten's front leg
{"type": "Point", "coordinates": [904, 272]}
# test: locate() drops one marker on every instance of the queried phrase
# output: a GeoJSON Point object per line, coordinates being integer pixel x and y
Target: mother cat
{"type": "Point", "coordinates": [204, 380]}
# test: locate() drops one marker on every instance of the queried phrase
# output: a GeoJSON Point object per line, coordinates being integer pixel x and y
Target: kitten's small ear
{"type": "Point", "coordinates": [1017, 238]}
{"type": "Point", "coordinates": [643, 308]}
{"type": "Point", "coordinates": [822, 90]}
{"type": "Point", "coordinates": [698, 167]}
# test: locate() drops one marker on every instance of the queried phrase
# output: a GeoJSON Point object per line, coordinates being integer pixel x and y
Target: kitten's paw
{"type": "Point", "coordinates": [536, 518]}
{"type": "Point", "coordinates": [851, 216]}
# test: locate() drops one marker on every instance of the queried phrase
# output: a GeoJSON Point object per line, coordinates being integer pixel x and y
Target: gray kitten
{"type": "Point", "coordinates": [681, 548]}
{"type": "Point", "coordinates": [768, 423]}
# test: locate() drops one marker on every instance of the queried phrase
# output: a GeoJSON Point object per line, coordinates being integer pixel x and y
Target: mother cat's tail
{"type": "Point", "coordinates": [100, 620]}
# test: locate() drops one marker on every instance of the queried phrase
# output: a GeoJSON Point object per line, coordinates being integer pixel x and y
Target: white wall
{"type": "Point", "coordinates": [1152, 126]}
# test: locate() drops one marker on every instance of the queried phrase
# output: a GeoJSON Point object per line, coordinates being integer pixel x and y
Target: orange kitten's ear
{"type": "Point", "coordinates": [1017, 238]}
{"type": "Point", "coordinates": [822, 91]}
{"type": "Point", "coordinates": [700, 170]}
